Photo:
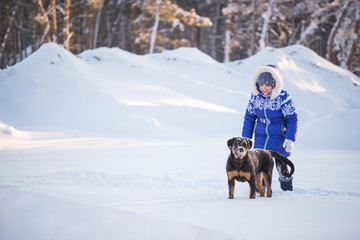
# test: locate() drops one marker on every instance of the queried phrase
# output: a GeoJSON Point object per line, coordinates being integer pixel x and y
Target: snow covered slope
{"type": "Point", "coordinates": [112, 145]}
{"type": "Point", "coordinates": [176, 93]}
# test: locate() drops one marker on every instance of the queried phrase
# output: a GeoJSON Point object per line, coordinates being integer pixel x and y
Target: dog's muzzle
{"type": "Point", "coordinates": [239, 152]}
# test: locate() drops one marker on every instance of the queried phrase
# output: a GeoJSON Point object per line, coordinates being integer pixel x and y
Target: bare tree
{"type": "Point", "coordinates": [54, 21]}
{"type": "Point", "coordinates": [240, 29]}
{"type": "Point", "coordinates": [335, 28]}
{"type": "Point", "coordinates": [8, 31]}
{"type": "Point", "coordinates": [155, 27]}
{"type": "Point", "coordinates": [266, 16]}
{"type": "Point", "coordinates": [44, 19]}
{"type": "Point", "coordinates": [67, 24]}
{"type": "Point", "coordinates": [99, 5]}
{"type": "Point", "coordinates": [355, 42]}
{"type": "Point", "coordinates": [253, 28]}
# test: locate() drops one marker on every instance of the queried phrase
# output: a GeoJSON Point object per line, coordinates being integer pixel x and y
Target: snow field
{"type": "Point", "coordinates": [111, 145]}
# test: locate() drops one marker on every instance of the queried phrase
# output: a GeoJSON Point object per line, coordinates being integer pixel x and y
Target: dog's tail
{"type": "Point", "coordinates": [281, 164]}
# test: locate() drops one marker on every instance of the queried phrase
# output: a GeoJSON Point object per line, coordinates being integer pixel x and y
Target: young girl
{"type": "Point", "coordinates": [272, 113]}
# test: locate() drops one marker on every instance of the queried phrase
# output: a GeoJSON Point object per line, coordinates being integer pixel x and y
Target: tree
{"type": "Point", "coordinates": [266, 16]}
{"type": "Point", "coordinates": [225, 29]}
{"type": "Point", "coordinates": [344, 35]}
{"type": "Point", "coordinates": [335, 29]}
{"type": "Point", "coordinates": [172, 16]}
{"type": "Point", "coordinates": [43, 19]}
{"type": "Point", "coordinates": [231, 9]}
{"type": "Point", "coordinates": [68, 35]}
{"type": "Point", "coordinates": [155, 27]}
{"type": "Point", "coordinates": [8, 31]}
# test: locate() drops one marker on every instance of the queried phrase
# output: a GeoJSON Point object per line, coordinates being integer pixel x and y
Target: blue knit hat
{"type": "Point", "coordinates": [265, 78]}
{"type": "Point", "coordinates": [271, 78]}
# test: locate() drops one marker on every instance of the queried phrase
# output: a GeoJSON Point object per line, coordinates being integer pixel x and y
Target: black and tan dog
{"type": "Point", "coordinates": [252, 166]}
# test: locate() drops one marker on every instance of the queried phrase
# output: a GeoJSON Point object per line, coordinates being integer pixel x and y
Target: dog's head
{"type": "Point", "coordinates": [239, 146]}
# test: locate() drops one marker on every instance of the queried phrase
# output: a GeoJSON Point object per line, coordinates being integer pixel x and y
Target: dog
{"type": "Point", "coordinates": [253, 166]}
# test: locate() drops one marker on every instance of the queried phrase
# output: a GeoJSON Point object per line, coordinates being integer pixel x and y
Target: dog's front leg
{"type": "Point", "coordinates": [252, 187]}
{"type": "Point", "coordinates": [231, 184]}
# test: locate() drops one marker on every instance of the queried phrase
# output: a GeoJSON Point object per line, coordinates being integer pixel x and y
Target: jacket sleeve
{"type": "Point", "coordinates": [291, 119]}
{"type": "Point", "coordinates": [249, 120]}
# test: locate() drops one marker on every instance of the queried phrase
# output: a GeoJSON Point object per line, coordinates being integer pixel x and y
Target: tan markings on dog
{"type": "Point", "coordinates": [268, 187]}
{"type": "Point", "coordinates": [259, 184]}
{"type": "Point", "coordinates": [235, 173]}
{"type": "Point", "coordinates": [246, 175]}
{"type": "Point", "coordinates": [232, 174]}
{"type": "Point", "coordinates": [232, 190]}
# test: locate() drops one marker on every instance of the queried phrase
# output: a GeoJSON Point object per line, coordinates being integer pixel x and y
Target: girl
{"type": "Point", "coordinates": [272, 113]}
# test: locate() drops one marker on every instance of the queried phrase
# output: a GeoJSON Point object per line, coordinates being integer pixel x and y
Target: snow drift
{"type": "Point", "coordinates": [108, 144]}
{"type": "Point", "coordinates": [22, 214]}
{"type": "Point", "coordinates": [175, 93]}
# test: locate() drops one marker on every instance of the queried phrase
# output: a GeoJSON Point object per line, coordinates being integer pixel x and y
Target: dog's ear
{"type": "Point", "coordinates": [230, 142]}
{"type": "Point", "coordinates": [249, 143]}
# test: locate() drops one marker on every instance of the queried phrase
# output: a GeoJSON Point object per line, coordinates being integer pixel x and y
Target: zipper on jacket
{"type": "Point", "coordinates": [267, 122]}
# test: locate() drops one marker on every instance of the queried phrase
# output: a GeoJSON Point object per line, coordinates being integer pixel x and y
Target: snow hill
{"type": "Point", "coordinates": [177, 93]}
{"type": "Point", "coordinates": [112, 145]}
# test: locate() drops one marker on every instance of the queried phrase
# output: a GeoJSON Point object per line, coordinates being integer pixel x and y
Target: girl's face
{"type": "Point", "coordinates": [265, 89]}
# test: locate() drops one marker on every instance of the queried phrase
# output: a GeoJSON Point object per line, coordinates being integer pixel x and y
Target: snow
{"type": "Point", "coordinates": [112, 145]}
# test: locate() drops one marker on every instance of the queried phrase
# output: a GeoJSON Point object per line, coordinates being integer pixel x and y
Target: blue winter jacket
{"type": "Point", "coordinates": [274, 121]}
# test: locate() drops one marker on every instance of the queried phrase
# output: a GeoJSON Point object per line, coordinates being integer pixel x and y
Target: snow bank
{"type": "Point", "coordinates": [178, 94]}
{"type": "Point", "coordinates": [333, 131]}
{"type": "Point", "coordinates": [25, 215]}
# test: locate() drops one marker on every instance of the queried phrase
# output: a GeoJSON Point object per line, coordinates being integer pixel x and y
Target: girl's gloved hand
{"type": "Point", "coordinates": [288, 145]}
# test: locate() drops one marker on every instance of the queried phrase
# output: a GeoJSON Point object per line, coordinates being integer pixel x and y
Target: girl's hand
{"type": "Point", "coordinates": [288, 145]}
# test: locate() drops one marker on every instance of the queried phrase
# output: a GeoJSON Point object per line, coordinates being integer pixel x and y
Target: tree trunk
{"type": "Point", "coordinates": [132, 26]}
{"type": "Point", "coordinates": [54, 21]}
{"type": "Point", "coordinates": [33, 29]}
{"type": "Point", "coordinates": [227, 40]}
{"type": "Point", "coordinates": [228, 31]}
{"type": "Point", "coordinates": [356, 40]}
{"type": "Point", "coordinates": [215, 30]}
{"type": "Point", "coordinates": [19, 35]}
{"type": "Point", "coordinates": [67, 24]}
{"type": "Point", "coordinates": [125, 33]}
{"type": "Point", "coordinates": [8, 32]}
{"type": "Point", "coordinates": [97, 26]}
{"type": "Point", "coordinates": [253, 29]}
{"type": "Point", "coordinates": [90, 29]}
{"type": "Point", "coordinates": [155, 27]}
{"type": "Point", "coordinates": [266, 17]}
{"type": "Point", "coordinates": [335, 29]}
{"type": "Point", "coordinates": [47, 23]}
{"type": "Point", "coordinates": [112, 30]}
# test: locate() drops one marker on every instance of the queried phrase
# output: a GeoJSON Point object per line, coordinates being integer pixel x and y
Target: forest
{"type": "Point", "coordinates": [227, 30]}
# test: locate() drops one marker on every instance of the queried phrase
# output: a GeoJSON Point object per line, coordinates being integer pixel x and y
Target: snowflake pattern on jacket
{"type": "Point", "coordinates": [274, 121]}
{"type": "Point", "coordinates": [287, 106]}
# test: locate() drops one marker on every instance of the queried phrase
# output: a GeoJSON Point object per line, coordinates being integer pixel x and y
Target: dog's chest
{"type": "Point", "coordinates": [239, 175]}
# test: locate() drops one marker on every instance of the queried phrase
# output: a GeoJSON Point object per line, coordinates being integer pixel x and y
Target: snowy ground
{"type": "Point", "coordinates": [141, 154]}
{"type": "Point", "coordinates": [175, 188]}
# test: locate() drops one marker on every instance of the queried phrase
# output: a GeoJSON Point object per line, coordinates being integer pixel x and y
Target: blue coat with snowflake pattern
{"type": "Point", "coordinates": [274, 121]}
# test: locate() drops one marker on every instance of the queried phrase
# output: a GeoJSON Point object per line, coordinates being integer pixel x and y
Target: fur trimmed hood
{"type": "Point", "coordinates": [274, 73]}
